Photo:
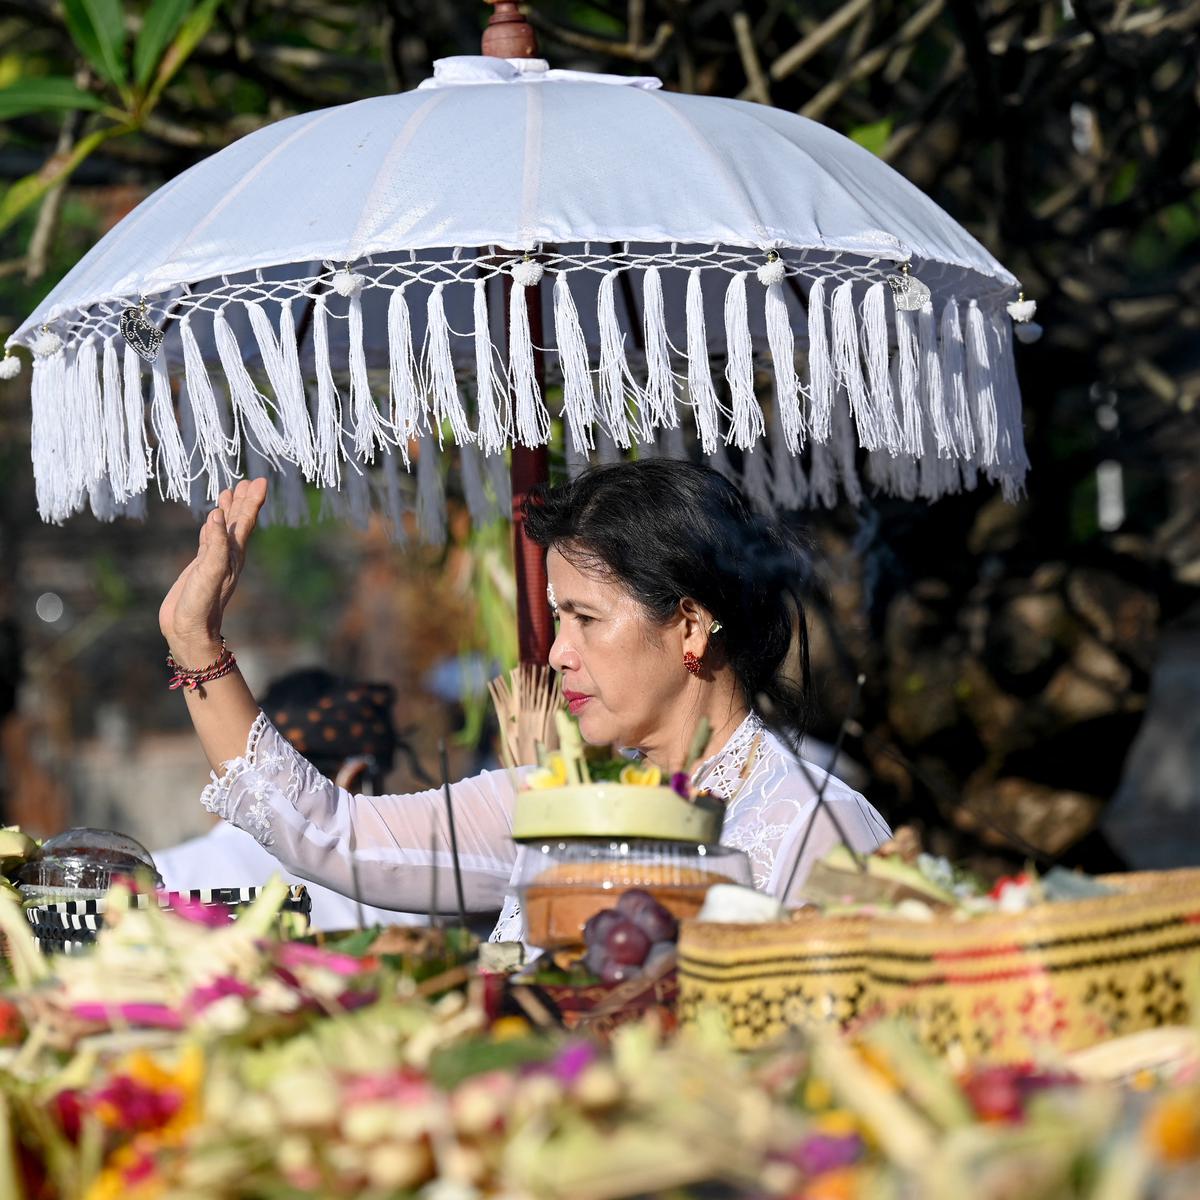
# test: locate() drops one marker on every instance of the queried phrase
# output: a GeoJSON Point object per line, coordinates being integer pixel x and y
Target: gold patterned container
{"type": "Point", "coordinates": [766, 979]}
{"type": "Point", "coordinates": [999, 988]}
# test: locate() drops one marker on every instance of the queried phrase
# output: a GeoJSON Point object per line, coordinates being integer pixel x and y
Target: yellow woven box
{"type": "Point", "coordinates": [766, 979]}
{"type": "Point", "coordinates": [1000, 987]}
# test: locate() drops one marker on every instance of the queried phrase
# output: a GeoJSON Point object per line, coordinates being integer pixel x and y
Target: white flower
{"type": "Point", "coordinates": [10, 366]}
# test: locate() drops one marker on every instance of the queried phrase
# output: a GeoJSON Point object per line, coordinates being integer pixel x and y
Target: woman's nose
{"type": "Point", "coordinates": [562, 657]}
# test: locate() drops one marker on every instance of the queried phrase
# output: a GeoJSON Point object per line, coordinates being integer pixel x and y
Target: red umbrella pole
{"type": "Point", "coordinates": [509, 35]}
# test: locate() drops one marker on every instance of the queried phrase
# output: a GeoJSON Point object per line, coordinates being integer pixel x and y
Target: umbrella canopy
{"type": "Point", "coordinates": [357, 284]}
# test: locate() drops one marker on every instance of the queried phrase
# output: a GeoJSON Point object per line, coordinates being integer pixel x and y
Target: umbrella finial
{"type": "Point", "coordinates": [508, 33]}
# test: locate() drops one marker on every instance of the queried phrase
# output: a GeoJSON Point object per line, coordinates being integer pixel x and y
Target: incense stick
{"type": "Point", "coordinates": [458, 883]}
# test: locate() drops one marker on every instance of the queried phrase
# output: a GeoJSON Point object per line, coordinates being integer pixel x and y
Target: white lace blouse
{"type": "Point", "coordinates": [385, 849]}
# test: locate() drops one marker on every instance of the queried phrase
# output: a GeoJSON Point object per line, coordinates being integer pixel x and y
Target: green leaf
{"type": "Point", "coordinates": [162, 22]}
{"type": "Point", "coordinates": [873, 137]}
{"type": "Point", "coordinates": [98, 29]}
{"type": "Point", "coordinates": [43, 94]}
{"type": "Point", "coordinates": [186, 40]}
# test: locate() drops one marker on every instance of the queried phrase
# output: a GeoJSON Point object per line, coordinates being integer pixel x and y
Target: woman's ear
{"type": "Point", "coordinates": [695, 622]}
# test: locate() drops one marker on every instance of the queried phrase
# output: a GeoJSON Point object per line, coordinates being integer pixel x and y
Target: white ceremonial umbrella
{"type": "Point", "coordinates": [330, 291]}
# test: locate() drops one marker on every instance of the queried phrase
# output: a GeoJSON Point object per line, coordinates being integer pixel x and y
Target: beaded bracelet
{"type": "Point", "coordinates": [192, 679]}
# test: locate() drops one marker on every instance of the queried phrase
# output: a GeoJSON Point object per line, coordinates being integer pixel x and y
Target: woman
{"type": "Point", "coordinates": [675, 602]}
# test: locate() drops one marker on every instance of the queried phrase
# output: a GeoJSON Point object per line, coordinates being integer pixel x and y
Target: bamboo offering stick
{"type": "Point", "coordinates": [526, 700]}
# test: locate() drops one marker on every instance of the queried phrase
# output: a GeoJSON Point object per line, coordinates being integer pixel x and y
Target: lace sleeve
{"type": "Point", "coordinates": [382, 849]}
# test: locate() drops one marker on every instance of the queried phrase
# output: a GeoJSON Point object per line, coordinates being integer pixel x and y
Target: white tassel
{"type": "Point", "coordinates": [705, 405]}
{"type": "Point", "coordinates": [747, 424]}
{"type": "Point", "coordinates": [250, 406]}
{"type": "Point", "coordinates": [52, 481]}
{"type": "Point", "coordinates": [407, 409]}
{"type": "Point", "coordinates": [116, 440]}
{"type": "Point", "coordinates": [531, 421]}
{"type": "Point", "coordinates": [10, 366]}
{"type": "Point", "coordinates": [482, 512]}
{"type": "Point", "coordinates": [660, 381]}
{"type": "Point", "coordinates": [577, 457]}
{"type": "Point", "coordinates": [908, 381]}
{"type": "Point", "coordinates": [135, 424]}
{"type": "Point", "coordinates": [1014, 462]}
{"type": "Point", "coordinates": [493, 427]}
{"type": "Point", "coordinates": [171, 459]}
{"type": "Point", "coordinates": [820, 366]}
{"type": "Point", "coordinates": [101, 500]}
{"type": "Point", "coordinates": [439, 371]}
{"type": "Point", "coordinates": [979, 383]}
{"type": "Point", "coordinates": [954, 382]}
{"type": "Point", "coordinates": [281, 359]}
{"type": "Point", "coordinates": [370, 430]}
{"type": "Point", "coordinates": [328, 425]}
{"type": "Point", "coordinates": [929, 365]}
{"type": "Point", "coordinates": [614, 370]}
{"type": "Point", "coordinates": [842, 441]}
{"type": "Point", "coordinates": [783, 359]}
{"type": "Point", "coordinates": [90, 410]}
{"type": "Point", "coordinates": [75, 450]}
{"type": "Point", "coordinates": [875, 339]}
{"type": "Point", "coordinates": [394, 500]}
{"type": "Point", "coordinates": [847, 363]}
{"type": "Point", "coordinates": [216, 449]}
{"type": "Point", "coordinates": [756, 481]}
{"type": "Point", "coordinates": [579, 397]}
{"type": "Point", "coordinates": [790, 491]}
{"type": "Point", "coordinates": [431, 498]}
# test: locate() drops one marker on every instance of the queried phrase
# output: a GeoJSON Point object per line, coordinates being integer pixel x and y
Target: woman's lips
{"type": "Point", "coordinates": [576, 701]}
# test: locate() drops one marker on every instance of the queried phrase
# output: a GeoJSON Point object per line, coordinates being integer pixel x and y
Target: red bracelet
{"type": "Point", "coordinates": [192, 679]}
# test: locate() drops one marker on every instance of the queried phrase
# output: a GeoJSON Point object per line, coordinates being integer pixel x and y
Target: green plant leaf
{"type": "Point", "coordinates": [46, 93]}
{"type": "Point", "coordinates": [59, 167]}
{"type": "Point", "coordinates": [194, 27]}
{"type": "Point", "coordinates": [162, 22]}
{"type": "Point", "coordinates": [98, 28]}
{"type": "Point", "coordinates": [873, 137]}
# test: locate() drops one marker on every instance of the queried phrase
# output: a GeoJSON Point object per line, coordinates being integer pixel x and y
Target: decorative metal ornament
{"type": "Point", "coordinates": [145, 338]}
{"type": "Point", "coordinates": [908, 292]}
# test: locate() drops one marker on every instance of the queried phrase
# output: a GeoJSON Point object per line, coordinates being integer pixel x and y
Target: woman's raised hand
{"type": "Point", "coordinates": [190, 616]}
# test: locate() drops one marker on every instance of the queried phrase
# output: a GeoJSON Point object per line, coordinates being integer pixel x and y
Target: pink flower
{"type": "Point", "coordinates": [212, 915]}
{"type": "Point", "coordinates": [225, 985]}
{"type": "Point", "coordinates": [151, 1016]}
{"type": "Point", "coordinates": [297, 954]}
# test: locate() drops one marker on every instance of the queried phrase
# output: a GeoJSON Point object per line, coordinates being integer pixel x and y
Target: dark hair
{"type": "Point", "coordinates": [667, 530]}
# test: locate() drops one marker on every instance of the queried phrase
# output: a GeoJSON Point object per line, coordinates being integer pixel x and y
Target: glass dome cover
{"type": "Point", "coordinates": [84, 861]}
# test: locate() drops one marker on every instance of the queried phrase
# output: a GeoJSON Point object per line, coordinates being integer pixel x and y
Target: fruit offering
{"type": "Point", "coordinates": [632, 938]}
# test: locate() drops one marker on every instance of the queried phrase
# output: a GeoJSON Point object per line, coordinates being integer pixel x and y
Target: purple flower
{"type": "Point", "coordinates": [572, 1061]}
{"type": "Point", "coordinates": [821, 1152]}
{"type": "Point", "coordinates": [681, 782]}
{"type": "Point", "coordinates": [202, 997]}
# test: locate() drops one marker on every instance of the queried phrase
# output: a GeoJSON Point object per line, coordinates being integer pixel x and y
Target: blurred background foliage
{"type": "Point", "coordinates": [1011, 652]}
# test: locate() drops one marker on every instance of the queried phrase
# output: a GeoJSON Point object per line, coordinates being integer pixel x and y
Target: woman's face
{"type": "Point", "coordinates": [620, 672]}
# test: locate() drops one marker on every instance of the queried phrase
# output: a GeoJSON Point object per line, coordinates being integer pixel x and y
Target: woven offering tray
{"type": "Point", "coordinates": [1001, 987]}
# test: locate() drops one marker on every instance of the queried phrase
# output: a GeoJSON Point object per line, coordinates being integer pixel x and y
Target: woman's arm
{"type": "Point", "coordinates": [190, 619]}
{"type": "Point", "coordinates": [388, 851]}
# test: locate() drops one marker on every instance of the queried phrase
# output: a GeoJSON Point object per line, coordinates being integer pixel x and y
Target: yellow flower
{"type": "Point", "coordinates": [641, 775]}
{"type": "Point", "coordinates": [1173, 1127]}
{"type": "Point", "coordinates": [838, 1123]}
{"type": "Point", "coordinates": [505, 1029]}
{"type": "Point", "coordinates": [552, 775]}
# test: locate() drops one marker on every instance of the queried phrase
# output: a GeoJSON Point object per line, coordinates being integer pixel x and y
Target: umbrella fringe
{"type": "Point", "coordinates": [439, 371]}
{"type": "Point", "coordinates": [215, 448]}
{"type": "Point", "coordinates": [371, 431]}
{"type": "Point", "coordinates": [881, 391]}
{"type": "Point", "coordinates": [658, 397]}
{"type": "Point", "coordinates": [328, 424]}
{"type": "Point", "coordinates": [404, 381]}
{"type": "Point", "coordinates": [89, 437]}
{"type": "Point", "coordinates": [281, 359]}
{"type": "Point", "coordinates": [746, 422]}
{"type": "Point", "coordinates": [979, 385]}
{"type": "Point", "coordinates": [251, 408]}
{"type": "Point", "coordinates": [847, 361]}
{"type": "Point", "coordinates": [954, 381]}
{"type": "Point", "coordinates": [908, 381]}
{"type": "Point", "coordinates": [929, 366]}
{"type": "Point", "coordinates": [1014, 461]}
{"type": "Point", "coordinates": [790, 489]}
{"type": "Point", "coordinates": [531, 419]}
{"type": "Point", "coordinates": [431, 495]}
{"type": "Point", "coordinates": [820, 366]}
{"type": "Point", "coordinates": [842, 442]}
{"type": "Point", "coordinates": [706, 408]}
{"type": "Point", "coordinates": [171, 458]}
{"type": "Point", "coordinates": [493, 430]}
{"type": "Point", "coordinates": [116, 438]}
{"type": "Point", "coordinates": [579, 396]}
{"type": "Point", "coordinates": [134, 406]}
{"type": "Point", "coordinates": [783, 357]}
{"type": "Point", "coordinates": [48, 426]}
{"type": "Point", "coordinates": [616, 381]}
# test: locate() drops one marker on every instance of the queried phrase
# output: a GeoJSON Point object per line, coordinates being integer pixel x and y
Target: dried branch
{"type": "Point", "coordinates": [757, 86]}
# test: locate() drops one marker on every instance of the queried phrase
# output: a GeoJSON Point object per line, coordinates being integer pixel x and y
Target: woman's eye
{"type": "Point", "coordinates": [582, 619]}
